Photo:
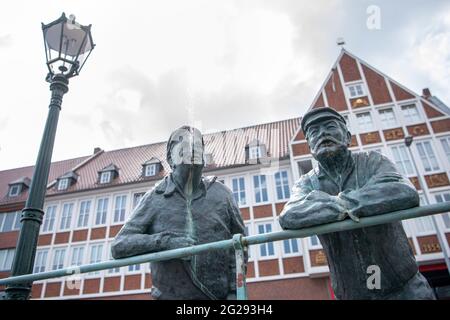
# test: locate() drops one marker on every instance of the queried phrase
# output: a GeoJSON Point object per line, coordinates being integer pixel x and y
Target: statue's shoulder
{"type": "Point", "coordinates": [160, 186]}
{"type": "Point", "coordinates": [307, 178]}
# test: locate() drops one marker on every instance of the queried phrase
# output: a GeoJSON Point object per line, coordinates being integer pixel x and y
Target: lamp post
{"type": "Point", "coordinates": [408, 143]}
{"type": "Point", "coordinates": [67, 47]}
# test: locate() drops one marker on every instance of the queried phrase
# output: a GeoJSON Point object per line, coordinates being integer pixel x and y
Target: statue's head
{"type": "Point", "coordinates": [185, 148]}
{"type": "Point", "coordinates": [326, 132]}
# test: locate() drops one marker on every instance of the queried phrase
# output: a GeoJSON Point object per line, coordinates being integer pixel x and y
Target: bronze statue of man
{"type": "Point", "coordinates": [184, 209]}
{"type": "Point", "coordinates": [353, 185]}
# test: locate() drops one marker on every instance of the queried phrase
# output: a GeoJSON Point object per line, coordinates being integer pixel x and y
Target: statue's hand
{"type": "Point", "coordinates": [174, 240]}
{"type": "Point", "coordinates": [317, 195]}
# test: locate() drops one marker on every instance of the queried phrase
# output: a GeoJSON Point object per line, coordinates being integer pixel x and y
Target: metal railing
{"type": "Point", "coordinates": [238, 242]}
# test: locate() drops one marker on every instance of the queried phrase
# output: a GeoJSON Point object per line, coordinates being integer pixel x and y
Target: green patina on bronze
{"type": "Point", "coordinates": [184, 209]}
{"type": "Point", "coordinates": [352, 185]}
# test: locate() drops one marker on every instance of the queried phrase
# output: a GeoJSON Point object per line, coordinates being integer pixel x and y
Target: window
{"type": "Point", "coordinates": [411, 114]}
{"type": "Point", "coordinates": [260, 186]}
{"type": "Point", "coordinates": [427, 156]}
{"type": "Point", "coordinates": [282, 185]}
{"type": "Point", "coordinates": [96, 255]}
{"type": "Point", "coordinates": [102, 210]}
{"type": "Point", "coordinates": [446, 146]}
{"type": "Point", "coordinates": [387, 118]}
{"type": "Point", "coordinates": [113, 270]}
{"type": "Point", "coordinates": [266, 249]}
{"type": "Point", "coordinates": [314, 242]}
{"type": "Point", "coordinates": [41, 261]}
{"type": "Point", "coordinates": [63, 184]}
{"type": "Point", "coordinates": [6, 259]}
{"type": "Point", "coordinates": [402, 160]}
{"type": "Point", "coordinates": [136, 198]}
{"type": "Point", "coordinates": [444, 197]}
{"type": "Point", "coordinates": [255, 152]}
{"type": "Point", "coordinates": [83, 217]}
{"type": "Point", "coordinates": [105, 177]}
{"type": "Point", "coordinates": [150, 170]}
{"type": "Point", "coordinates": [291, 246]}
{"type": "Point", "coordinates": [119, 208]}
{"type": "Point", "coordinates": [11, 221]}
{"type": "Point", "coordinates": [14, 190]}
{"type": "Point", "coordinates": [356, 90]}
{"type": "Point", "coordinates": [66, 217]}
{"type": "Point", "coordinates": [134, 267]}
{"type": "Point", "coordinates": [49, 219]}
{"type": "Point", "coordinates": [365, 122]}
{"type": "Point", "coordinates": [77, 256]}
{"type": "Point", "coordinates": [58, 258]}
{"type": "Point", "coordinates": [249, 248]}
{"type": "Point", "coordinates": [238, 185]}
{"type": "Point", "coordinates": [304, 167]}
{"type": "Point", "coordinates": [347, 122]}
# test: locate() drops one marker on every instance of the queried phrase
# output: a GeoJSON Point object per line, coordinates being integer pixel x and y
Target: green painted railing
{"type": "Point", "coordinates": [238, 242]}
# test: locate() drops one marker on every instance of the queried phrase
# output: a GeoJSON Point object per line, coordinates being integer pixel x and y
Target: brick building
{"type": "Point", "coordinates": [89, 198]}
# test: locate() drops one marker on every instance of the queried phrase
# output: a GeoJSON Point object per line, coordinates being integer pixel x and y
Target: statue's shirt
{"type": "Point", "coordinates": [211, 215]}
{"type": "Point", "coordinates": [374, 186]}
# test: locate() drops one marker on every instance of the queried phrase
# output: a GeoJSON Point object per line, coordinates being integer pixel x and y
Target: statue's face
{"type": "Point", "coordinates": [188, 148]}
{"type": "Point", "coordinates": [327, 137]}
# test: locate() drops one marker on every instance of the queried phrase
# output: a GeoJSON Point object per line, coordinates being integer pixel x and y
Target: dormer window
{"type": "Point", "coordinates": [108, 174]}
{"type": "Point", "coordinates": [14, 190]}
{"type": "Point", "coordinates": [18, 186]}
{"type": "Point", "coordinates": [66, 180]}
{"type": "Point", "coordinates": [255, 152]}
{"type": "Point", "coordinates": [151, 167]}
{"type": "Point", "coordinates": [63, 184]}
{"type": "Point", "coordinates": [105, 177]}
{"type": "Point", "coordinates": [150, 170]}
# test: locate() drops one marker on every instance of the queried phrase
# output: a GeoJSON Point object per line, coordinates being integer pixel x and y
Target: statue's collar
{"type": "Point", "coordinates": [167, 186]}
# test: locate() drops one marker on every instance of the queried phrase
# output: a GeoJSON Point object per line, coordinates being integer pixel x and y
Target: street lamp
{"type": "Point", "coordinates": [67, 47]}
{"type": "Point", "coordinates": [408, 143]}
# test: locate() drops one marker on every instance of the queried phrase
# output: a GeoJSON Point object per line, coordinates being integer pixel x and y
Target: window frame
{"type": "Point", "coordinates": [428, 158]}
{"type": "Point", "coordinates": [282, 185]}
{"type": "Point", "coordinates": [6, 264]}
{"type": "Point", "coordinates": [64, 257]}
{"type": "Point", "coordinates": [364, 128]}
{"type": "Point", "coordinates": [150, 170]}
{"type": "Point", "coordinates": [239, 191]}
{"type": "Point", "coordinates": [39, 259]}
{"type": "Point", "coordinates": [124, 207]}
{"type": "Point", "coordinates": [45, 219]}
{"type": "Point", "coordinates": [413, 172]}
{"type": "Point", "coordinates": [104, 214]}
{"type": "Point", "coordinates": [62, 216]}
{"type": "Point", "coordinates": [357, 94]}
{"type": "Point", "coordinates": [13, 187]}
{"type": "Point", "coordinates": [103, 175]}
{"type": "Point", "coordinates": [63, 184]}
{"type": "Point", "coordinates": [384, 124]}
{"type": "Point", "coordinates": [266, 244]}
{"type": "Point", "coordinates": [406, 119]}
{"type": "Point", "coordinates": [266, 178]}
{"type": "Point", "coordinates": [254, 152]}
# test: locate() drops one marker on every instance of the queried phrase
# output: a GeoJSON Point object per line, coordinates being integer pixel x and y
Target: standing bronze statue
{"type": "Point", "coordinates": [184, 209]}
{"type": "Point", "coordinates": [353, 185]}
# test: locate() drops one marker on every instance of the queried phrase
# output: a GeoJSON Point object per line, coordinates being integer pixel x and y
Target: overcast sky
{"type": "Point", "coordinates": [216, 64]}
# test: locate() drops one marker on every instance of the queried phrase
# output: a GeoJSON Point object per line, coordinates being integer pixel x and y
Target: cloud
{"type": "Point", "coordinates": [6, 40]}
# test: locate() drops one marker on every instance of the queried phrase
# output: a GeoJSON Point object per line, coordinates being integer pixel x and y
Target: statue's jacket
{"type": "Point", "coordinates": [215, 216]}
{"type": "Point", "coordinates": [373, 185]}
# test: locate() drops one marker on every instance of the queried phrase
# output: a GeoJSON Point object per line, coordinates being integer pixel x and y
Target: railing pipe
{"type": "Point", "coordinates": [226, 244]}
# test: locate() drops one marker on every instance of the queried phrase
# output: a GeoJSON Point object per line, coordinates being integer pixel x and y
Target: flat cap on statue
{"type": "Point", "coordinates": [322, 113]}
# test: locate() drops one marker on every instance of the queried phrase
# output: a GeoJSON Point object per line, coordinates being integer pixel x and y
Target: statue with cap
{"type": "Point", "coordinates": [368, 263]}
{"type": "Point", "coordinates": [182, 210]}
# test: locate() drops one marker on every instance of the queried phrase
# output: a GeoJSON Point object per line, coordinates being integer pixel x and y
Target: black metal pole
{"type": "Point", "coordinates": [33, 212]}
